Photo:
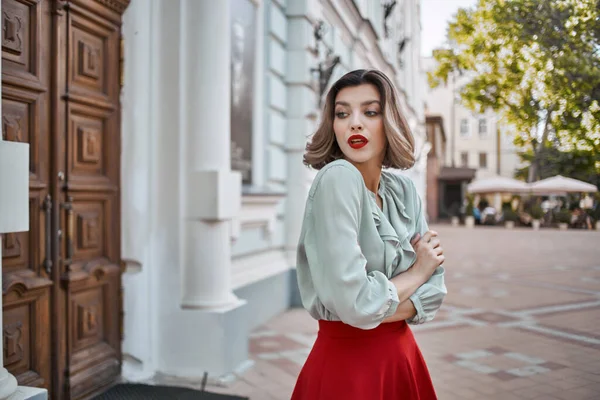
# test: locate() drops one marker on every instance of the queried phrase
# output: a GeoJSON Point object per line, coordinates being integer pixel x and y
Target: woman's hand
{"type": "Point", "coordinates": [430, 253]}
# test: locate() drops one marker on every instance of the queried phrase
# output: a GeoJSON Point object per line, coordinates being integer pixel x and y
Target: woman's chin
{"type": "Point", "coordinates": [357, 157]}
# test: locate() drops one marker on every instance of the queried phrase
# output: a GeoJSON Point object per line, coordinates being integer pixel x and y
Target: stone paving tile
{"type": "Point", "coordinates": [521, 321]}
{"type": "Point", "coordinates": [487, 293]}
{"type": "Point", "coordinates": [276, 343]}
{"type": "Point", "coordinates": [585, 322]}
{"type": "Point", "coordinates": [577, 278]}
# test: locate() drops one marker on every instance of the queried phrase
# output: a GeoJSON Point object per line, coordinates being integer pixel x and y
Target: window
{"type": "Point", "coordinates": [464, 127]}
{"type": "Point", "coordinates": [482, 160]}
{"type": "Point", "coordinates": [243, 42]}
{"type": "Point", "coordinates": [464, 159]}
{"type": "Point", "coordinates": [482, 127]}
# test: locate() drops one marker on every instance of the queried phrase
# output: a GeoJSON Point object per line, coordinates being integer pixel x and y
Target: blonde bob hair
{"type": "Point", "coordinates": [323, 148]}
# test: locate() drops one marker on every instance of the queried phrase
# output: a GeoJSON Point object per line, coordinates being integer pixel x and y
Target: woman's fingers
{"type": "Point", "coordinates": [415, 239]}
{"type": "Point", "coordinates": [429, 235]}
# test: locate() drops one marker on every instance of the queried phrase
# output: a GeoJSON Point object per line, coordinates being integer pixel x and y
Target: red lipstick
{"type": "Point", "coordinates": [357, 141]}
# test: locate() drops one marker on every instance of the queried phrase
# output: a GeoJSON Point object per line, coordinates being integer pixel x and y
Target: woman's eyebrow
{"type": "Point", "coordinates": [364, 103]}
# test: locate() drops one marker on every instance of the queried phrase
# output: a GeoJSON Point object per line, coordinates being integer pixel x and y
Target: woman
{"type": "Point", "coordinates": [367, 264]}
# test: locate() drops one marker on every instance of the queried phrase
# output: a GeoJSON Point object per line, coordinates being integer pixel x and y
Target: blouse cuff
{"type": "Point", "coordinates": [392, 302]}
{"type": "Point", "coordinates": [428, 298]}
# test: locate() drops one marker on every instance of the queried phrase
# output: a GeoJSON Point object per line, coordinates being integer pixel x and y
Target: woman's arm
{"type": "Point", "coordinates": [428, 259]}
{"type": "Point", "coordinates": [429, 297]}
{"type": "Point", "coordinates": [406, 310]}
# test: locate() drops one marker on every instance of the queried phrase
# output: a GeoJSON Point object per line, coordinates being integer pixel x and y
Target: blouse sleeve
{"type": "Point", "coordinates": [335, 260]}
{"type": "Point", "coordinates": [429, 297]}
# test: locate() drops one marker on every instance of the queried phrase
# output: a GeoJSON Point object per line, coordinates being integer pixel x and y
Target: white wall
{"type": "Point", "coordinates": [160, 334]}
{"type": "Point", "coordinates": [150, 183]}
{"type": "Point", "coordinates": [258, 250]}
{"type": "Point", "coordinates": [440, 102]}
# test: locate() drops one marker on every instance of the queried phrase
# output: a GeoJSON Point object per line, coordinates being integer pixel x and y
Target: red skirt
{"type": "Point", "coordinates": [348, 363]}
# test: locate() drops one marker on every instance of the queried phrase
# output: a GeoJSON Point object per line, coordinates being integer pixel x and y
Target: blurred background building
{"type": "Point", "coordinates": [473, 146]}
{"type": "Point", "coordinates": [477, 141]}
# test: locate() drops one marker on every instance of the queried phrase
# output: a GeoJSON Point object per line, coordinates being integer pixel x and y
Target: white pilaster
{"type": "Point", "coordinates": [258, 114]}
{"type": "Point", "coordinates": [138, 185]}
{"type": "Point", "coordinates": [301, 112]}
{"type": "Point", "coordinates": [211, 189]}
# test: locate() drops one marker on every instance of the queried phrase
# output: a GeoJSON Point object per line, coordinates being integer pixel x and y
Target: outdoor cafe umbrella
{"type": "Point", "coordinates": [559, 184]}
{"type": "Point", "coordinates": [497, 184]}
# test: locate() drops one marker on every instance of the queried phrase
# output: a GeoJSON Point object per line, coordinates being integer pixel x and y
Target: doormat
{"type": "Point", "coordinates": [135, 391]}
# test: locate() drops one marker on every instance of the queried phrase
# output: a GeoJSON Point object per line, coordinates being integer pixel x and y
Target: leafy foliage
{"type": "Point", "coordinates": [577, 164]}
{"type": "Point", "coordinates": [536, 63]}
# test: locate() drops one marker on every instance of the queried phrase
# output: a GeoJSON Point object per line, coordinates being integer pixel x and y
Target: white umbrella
{"type": "Point", "coordinates": [497, 184]}
{"type": "Point", "coordinates": [559, 184]}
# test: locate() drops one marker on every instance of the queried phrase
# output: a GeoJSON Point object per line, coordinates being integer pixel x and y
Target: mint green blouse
{"type": "Point", "coordinates": [349, 248]}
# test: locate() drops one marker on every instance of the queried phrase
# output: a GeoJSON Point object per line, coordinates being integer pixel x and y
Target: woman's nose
{"type": "Point", "coordinates": [356, 124]}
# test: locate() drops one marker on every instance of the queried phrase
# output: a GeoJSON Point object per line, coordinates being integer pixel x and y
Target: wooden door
{"type": "Point", "coordinates": [90, 217]}
{"type": "Point", "coordinates": [62, 279]}
{"type": "Point", "coordinates": [27, 256]}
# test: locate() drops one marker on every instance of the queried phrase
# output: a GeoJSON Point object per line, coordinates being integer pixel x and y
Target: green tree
{"type": "Point", "coordinates": [536, 63]}
{"type": "Point", "coordinates": [577, 164]}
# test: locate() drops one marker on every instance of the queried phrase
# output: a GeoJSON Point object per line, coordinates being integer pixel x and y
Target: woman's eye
{"type": "Point", "coordinates": [371, 113]}
{"type": "Point", "coordinates": [341, 114]}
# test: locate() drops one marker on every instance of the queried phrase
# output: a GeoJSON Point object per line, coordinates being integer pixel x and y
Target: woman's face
{"type": "Point", "coordinates": [358, 124]}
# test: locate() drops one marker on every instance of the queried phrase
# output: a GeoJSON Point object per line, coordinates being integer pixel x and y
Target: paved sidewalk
{"type": "Point", "coordinates": [521, 321]}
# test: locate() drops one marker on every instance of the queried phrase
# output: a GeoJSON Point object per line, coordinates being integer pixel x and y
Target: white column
{"type": "Point", "coordinates": [212, 192]}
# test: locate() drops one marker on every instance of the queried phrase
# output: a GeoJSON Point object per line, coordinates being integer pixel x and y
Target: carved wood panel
{"type": "Point", "coordinates": [90, 230]}
{"type": "Point", "coordinates": [87, 134]}
{"type": "Point", "coordinates": [21, 250]}
{"type": "Point", "coordinates": [23, 27]}
{"type": "Point", "coordinates": [22, 114]}
{"type": "Point", "coordinates": [11, 246]}
{"type": "Point", "coordinates": [94, 47]}
{"type": "Point", "coordinates": [87, 318]}
{"type": "Point", "coordinates": [15, 118]}
{"type": "Point", "coordinates": [14, 336]}
{"type": "Point", "coordinates": [94, 328]}
{"type": "Point", "coordinates": [16, 39]}
{"type": "Point", "coordinates": [25, 334]}
{"type": "Point", "coordinates": [89, 57]}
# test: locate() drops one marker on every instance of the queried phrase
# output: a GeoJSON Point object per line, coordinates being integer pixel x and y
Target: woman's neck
{"type": "Point", "coordinates": [371, 173]}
